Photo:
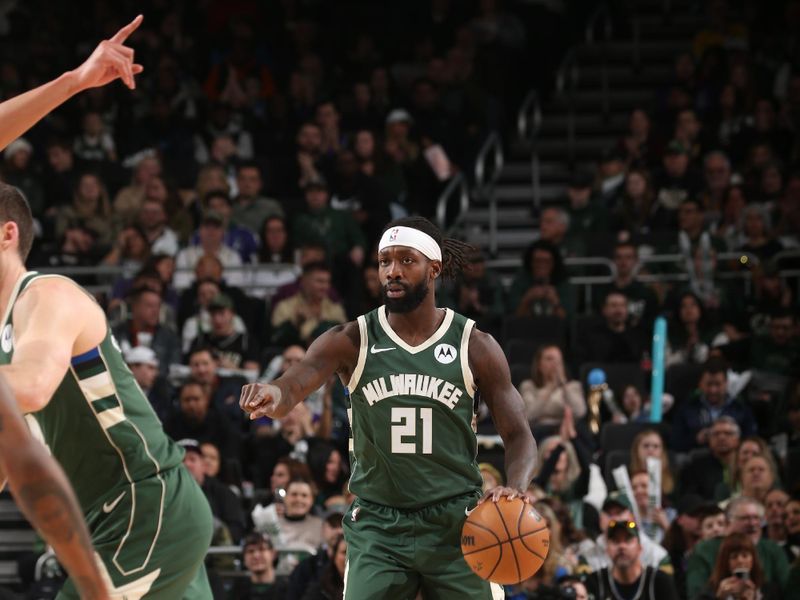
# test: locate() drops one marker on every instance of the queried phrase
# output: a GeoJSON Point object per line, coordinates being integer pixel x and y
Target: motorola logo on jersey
{"type": "Point", "coordinates": [445, 353]}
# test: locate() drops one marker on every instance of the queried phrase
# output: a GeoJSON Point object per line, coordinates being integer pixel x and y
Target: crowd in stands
{"type": "Point", "coordinates": [238, 194]}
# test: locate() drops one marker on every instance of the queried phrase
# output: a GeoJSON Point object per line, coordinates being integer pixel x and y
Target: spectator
{"type": "Point", "coordinates": [77, 248]}
{"type": "Point", "coordinates": [627, 571]}
{"type": "Point", "coordinates": [18, 170]}
{"type": "Point", "coordinates": [586, 215]}
{"type": "Point", "coordinates": [143, 328]}
{"type": "Point", "coordinates": [250, 208]}
{"type": "Point", "coordinates": [62, 175]}
{"type": "Point", "coordinates": [611, 177]}
{"type": "Point", "coordinates": [95, 143]}
{"type": "Point", "coordinates": [758, 476]}
{"type": "Point", "coordinates": [717, 172]}
{"type": "Point", "coordinates": [549, 393]}
{"type": "Point", "coordinates": [553, 227]}
{"type": "Point", "coordinates": [305, 315]}
{"type": "Point", "coordinates": [642, 300]}
{"type": "Point", "coordinates": [328, 470]}
{"type": "Point", "coordinates": [638, 144]}
{"type": "Point", "coordinates": [689, 334]}
{"type": "Point", "coordinates": [331, 580]}
{"type": "Point", "coordinates": [223, 390]}
{"type": "Point", "coordinates": [777, 353]}
{"type": "Point", "coordinates": [199, 324]}
{"type": "Point", "coordinates": [729, 227]}
{"type": "Point", "coordinates": [211, 235]}
{"type": "Point", "coordinates": [713, 523]}
{"type": "Point", "coordinates": [771, 295]}
{"type": "Point", "coordinates": [649, 444]}
{"type": "Point", "coordinates": [275, 247]}
{"type": "Point", "coordinates": [792, 523]}
{"type": "Point", "coordinates": [775, 513]}
{"type": "Point", "coordinates": [261, 583]}
{"type": "Point", "coordinates": [310, 570]}
{"type": "Point", "coordinates": [179, 222]}
{"type": "Point", "coordinates": [224, 504]}
{"type": "Point", "coordinates": [153, 221]}
{"type": "Point", "coordinates": [130, 251]}
{"type": "Point", "coordinates": [655, 520]}
{"type": "Point", "coordinates": [539, 288]}
{"type": "Point", "coordinates": [89, 207]}
{"type": "Point", "coordinates": [235, 349]}
{"type": "Point", "coordinates": [738, 574]}
{"type": "Point", "coordinates": [128, 200]}
{"type": "Point", "coordinates": [758, 234]}
{"type": "Point", "coordinates": [236, 237]}
{"type": "Point", "coordinates": [749, 447]}
{"type": "Point", "coordinates": [299, 531]}
{"type": "Point", "coordinates": [197, 419]}
{"type": "Point", "coordinates": [692, 423]}
{"type": "Point", "coordinates": [674, 183]}
{"type": "Point", "coordinates": [744, 516]}
{"type": "Point", "coordinates": [612, 339]}
{"type": "Point", "coordinates": [477, 293]}
{"type": "Point", "coordinates": [705, 472]}
{"type": "Point", "coordinates": [683, 535]}
{"type": "Point", "coordinates": [637, 204]}
{"type": "Point", "coordinates": [143, 363]}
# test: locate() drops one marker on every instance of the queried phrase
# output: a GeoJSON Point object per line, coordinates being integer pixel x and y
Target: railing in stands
{"type": "Point", "coordinates": [529, 122]}
{"type": "Point", "coordinates": [601, 14]}
{"type": "Point", "coordinates": [566, 82]}
{"type": "Point", "coordinates": [456, 185]}
{"type": "Point", "coordinates": [486, 174]}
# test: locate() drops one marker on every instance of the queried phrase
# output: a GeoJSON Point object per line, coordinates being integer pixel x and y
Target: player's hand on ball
{"type": "Point", "coordinates": [260, 400]}
{"type": "Point", "coordinates": [494, 494]}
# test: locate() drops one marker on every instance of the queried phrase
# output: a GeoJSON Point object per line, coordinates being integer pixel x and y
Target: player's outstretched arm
{"type": "Point", "coordinates": [110, 60]}
{"type": "Point", "coordinates": [44, 495]}
{"type": "Point", "coordinates": [335, 351]}
{"type": "Point", "coordinates": [493, 379]}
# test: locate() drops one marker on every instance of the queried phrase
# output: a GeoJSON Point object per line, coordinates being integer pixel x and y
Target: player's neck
{"type": "Point", "coordinates": [10, 274]}
{"type": "Point", "coordinates": [416, 326]}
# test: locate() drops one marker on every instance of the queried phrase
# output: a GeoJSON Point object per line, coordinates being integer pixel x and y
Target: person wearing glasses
{"type": "Point", "coordinates": [746, 516]}
{"type": "Point", "coordinates": [627, 577]}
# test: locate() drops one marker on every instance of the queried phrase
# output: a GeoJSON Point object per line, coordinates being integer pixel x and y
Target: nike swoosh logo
{"type": "Point", "coordinates": [468, 512]}
{"type": "Point", "coordinates": [375, 350]}
{"type": "Point", "coordinates": [109, 506]}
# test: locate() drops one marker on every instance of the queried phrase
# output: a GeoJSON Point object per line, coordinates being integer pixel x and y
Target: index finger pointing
{"type": "Point", "coordinates": [123, 33]}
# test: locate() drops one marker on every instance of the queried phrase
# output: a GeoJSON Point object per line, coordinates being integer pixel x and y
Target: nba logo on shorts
{"type": "Point", "coordinates": [445, 353]}
{"type": "Point", "coordinates": [393, 235]}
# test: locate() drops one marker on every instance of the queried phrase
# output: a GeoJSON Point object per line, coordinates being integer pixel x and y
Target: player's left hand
{"type": "Point", "coordinates": [110, 60]}
{"type": "Point", "coordinates": [494, 494]}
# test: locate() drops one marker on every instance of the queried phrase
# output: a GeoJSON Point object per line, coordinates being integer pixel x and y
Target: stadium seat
{"type": "Point", "coordinates": [519, 373]}
{"type": "Point", "coordinates": [619, 436]}
{"type": "Point", "coordinates": [521, 352]}
{"type": "Point", "coordinates": [542, 330]}
{"type": "Point", "coordinates": [681, 380]}
{"type": "Point", "coordinates": [614, 459]}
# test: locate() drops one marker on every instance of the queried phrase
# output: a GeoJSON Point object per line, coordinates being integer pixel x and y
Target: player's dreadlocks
{"type": "Point", "coordinates": [455, 253]}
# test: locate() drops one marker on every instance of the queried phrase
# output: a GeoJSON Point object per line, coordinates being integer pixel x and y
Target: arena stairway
{"type": "Point", "coordinates": [662, 36]}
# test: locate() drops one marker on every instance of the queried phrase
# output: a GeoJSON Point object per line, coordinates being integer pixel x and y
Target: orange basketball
{"type": "Point", "coordinates": [506, 541]}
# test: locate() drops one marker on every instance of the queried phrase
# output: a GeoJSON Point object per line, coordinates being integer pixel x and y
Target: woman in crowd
{"type": "Point", "coordinates": [689, 335]}
{"type": "Point", "coordinates": [635, 206]}
{"type": "Point", "coordinates": [748, 448]}
{"type": "Point", "coordinates": [655, 519]}
{"type": "Point", "coordinates": [90, 207]}
{"type": "Point", "coordinates": [548, 392]}
{"type": "Point", "coordinates": [329, 471]}
{"type": "Point", "coordinates": [540, 288]}
{"type": "Point", "coordinates": [738, 574]}
{"type": "Point", "coordinates": [331, 581]}
{"type": "Point", "coordinates": [649, 443]}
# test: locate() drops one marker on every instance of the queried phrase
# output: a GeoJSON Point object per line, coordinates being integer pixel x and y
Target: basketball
{"type": "Point", "coordinates": [506, 541]}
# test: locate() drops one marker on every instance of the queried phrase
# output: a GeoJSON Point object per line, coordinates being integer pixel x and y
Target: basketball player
{"type": "Point", "coordinates": [413, 373]}
{"type": "Point", "coordinates": [36, 480]}
{"type": "Point", "coordinates": [149, 521]}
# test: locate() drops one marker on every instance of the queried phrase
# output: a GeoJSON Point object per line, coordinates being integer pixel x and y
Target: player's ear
{"type": "Point", "coordinates": [436, 268]}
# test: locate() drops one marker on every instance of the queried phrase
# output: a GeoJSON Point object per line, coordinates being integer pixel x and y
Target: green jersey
{"type": "Point", "coordinates": [411, 410]}
{"type": "Point", "coordinates": [105, 434]}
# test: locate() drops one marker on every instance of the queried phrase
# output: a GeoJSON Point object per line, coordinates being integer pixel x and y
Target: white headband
{"type": "Point", "coordinates": [413, 238]}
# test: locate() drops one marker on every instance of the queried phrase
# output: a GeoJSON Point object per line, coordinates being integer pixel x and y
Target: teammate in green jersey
{"type": "Point", "coordinates": [37, 483]}
{"type": "Point", "coordinates": [413, 374]}
{"type": "Point", "coordinates": [149, 521]}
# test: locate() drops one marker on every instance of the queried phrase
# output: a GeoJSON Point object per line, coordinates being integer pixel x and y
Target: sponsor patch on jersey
{"type": "Point", "coordinates": [445, 353]}
{"type": "Point", "coordinates": [7, 338]}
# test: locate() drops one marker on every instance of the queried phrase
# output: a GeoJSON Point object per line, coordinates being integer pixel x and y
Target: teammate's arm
{"type": "Point", "coordinates": [335, 351]}
{"type": "Point", "coordinates": [110, 60]}
{"type": "Point", "coordinates": [48, 318]}
{"type": "Point", "coordinates": [493, 379]}
{"type": "Point", "coordinates": [45, 497]}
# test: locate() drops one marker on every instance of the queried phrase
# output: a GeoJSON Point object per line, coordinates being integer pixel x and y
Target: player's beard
{"type": "Point", "coordinates": [412, 298]}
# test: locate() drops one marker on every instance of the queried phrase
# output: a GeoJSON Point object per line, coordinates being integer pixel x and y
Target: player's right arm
{"type": "Point", "coordinates": [110, 60]}
{"type": "Point", "coordinates": [335, 351]}
{"type": "Point", "coordinates": [43, 494]}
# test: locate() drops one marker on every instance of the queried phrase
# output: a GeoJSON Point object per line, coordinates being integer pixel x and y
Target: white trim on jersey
{"type": "Point", "coordinates": [497, 591]}
{"type": "Point", "coordinates": [13, 297]}
{"type": "Point", "coordinates": [466, 371]}
{"type": "Point", "coordinates": [362, 355]}
{"type": "Point", "coordinates": [437, 335]}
